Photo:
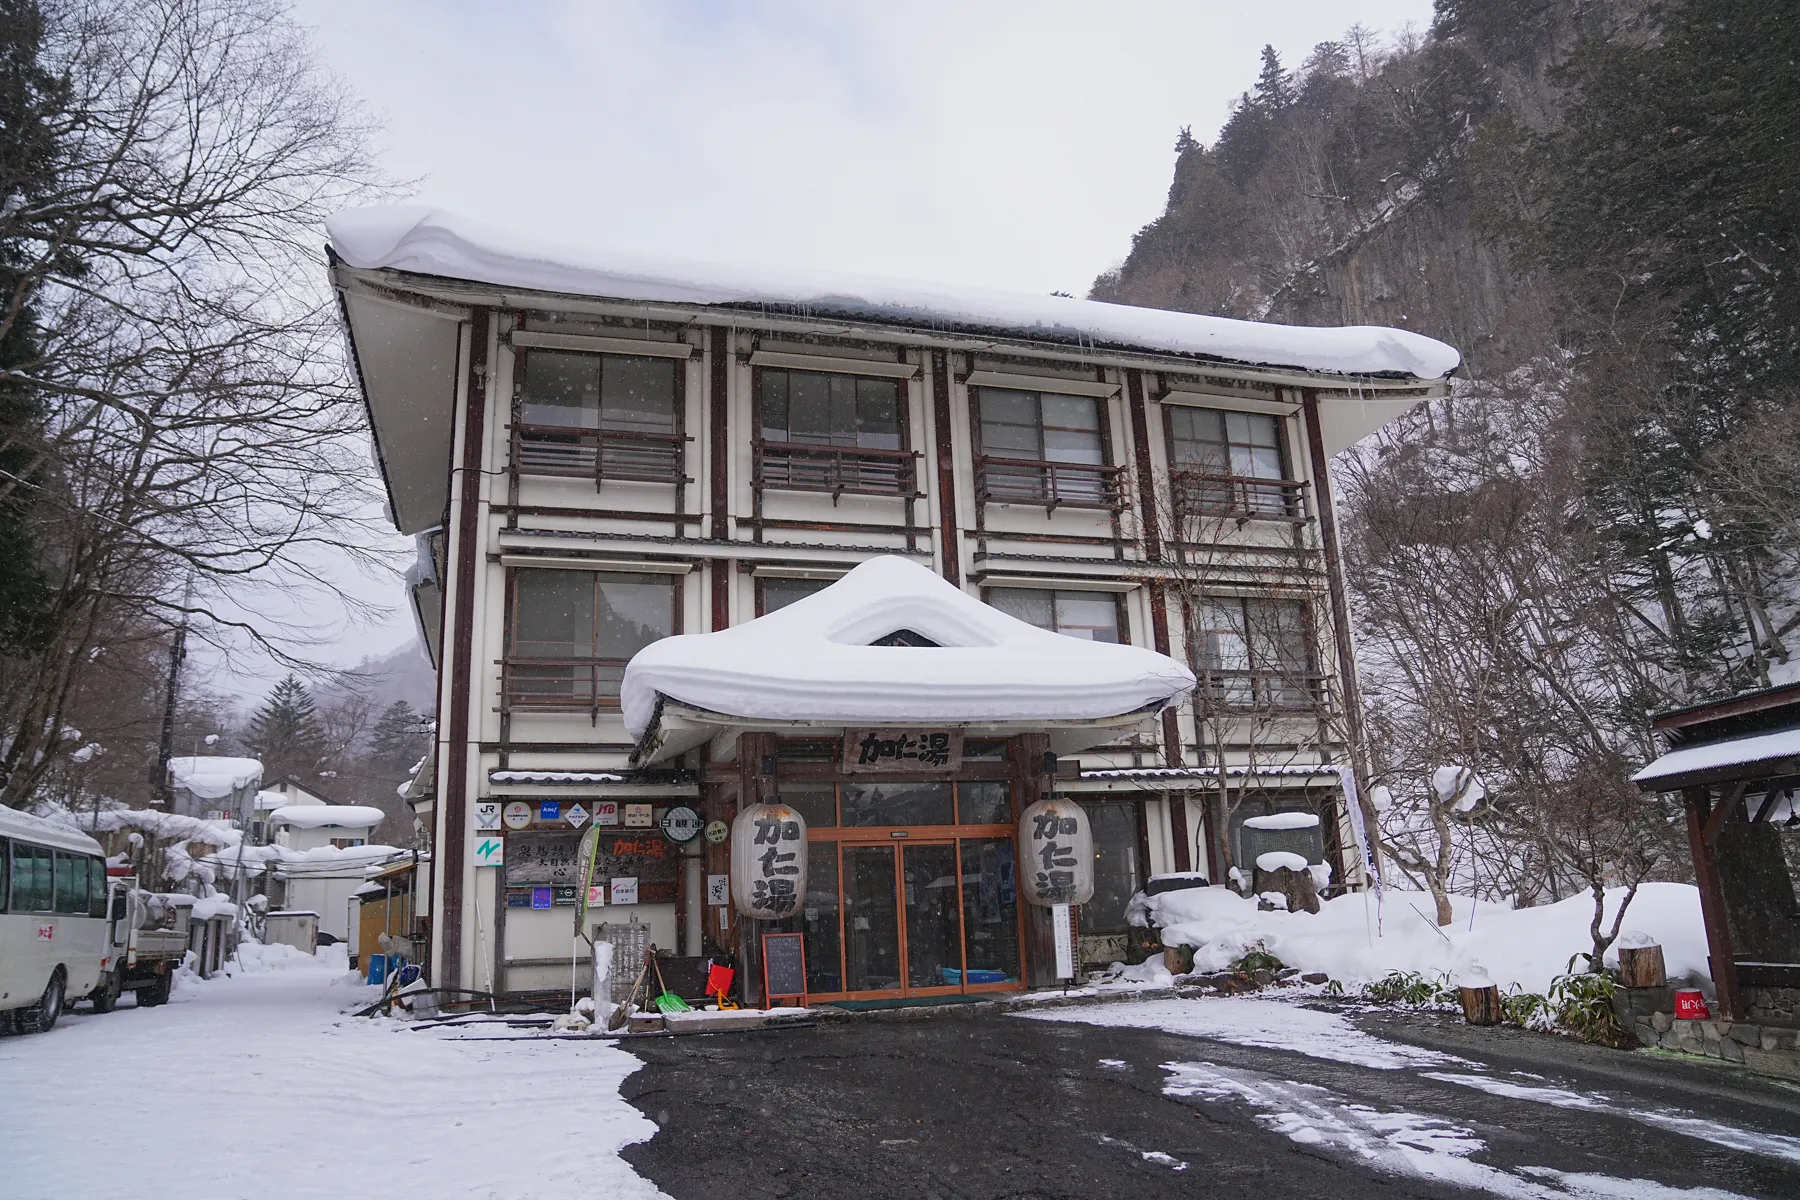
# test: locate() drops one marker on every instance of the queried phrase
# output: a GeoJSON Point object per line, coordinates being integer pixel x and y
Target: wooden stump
{"type": "Point", "coordinates": [1481, 1005]}
{"type": "Point", "coordinates": [1302, 894]}
{"type": "Point", "coordinates": [1642, 967]}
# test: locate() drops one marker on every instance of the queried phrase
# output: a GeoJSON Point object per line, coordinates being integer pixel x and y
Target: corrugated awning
{"type": "Point", "coordinates": [1757, 755]}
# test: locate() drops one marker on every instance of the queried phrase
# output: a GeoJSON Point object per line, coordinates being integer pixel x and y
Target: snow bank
{"type": "Point", "coordinates": [434, 242]}
{"type": "Point", "coordinates": [1356, 939]}
{"type": "Point", "coordinates": [214, 777]}
{"type": "Point", "coordinates": [813, 661]}
{"type": "Point", "coordinates": [327, 816]}
{"type": "Point", "coordinates": [1285, 820]}
{"type": "Point", "coordinates": [1275, 860]}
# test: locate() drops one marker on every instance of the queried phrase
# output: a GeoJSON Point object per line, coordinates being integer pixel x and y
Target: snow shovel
{"type": "Point", "coordinates": [667, 1002]}
{"type": "Point", "coordinates": [623, 1012]}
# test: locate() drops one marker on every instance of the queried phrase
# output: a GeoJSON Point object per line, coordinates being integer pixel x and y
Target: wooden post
{"type": "Point", "coordinates": [1481, 1005]}
{"type": "Point", "coordinates": [1642, 967]}
{"type": "Point", "coordinates": [1697, 801]}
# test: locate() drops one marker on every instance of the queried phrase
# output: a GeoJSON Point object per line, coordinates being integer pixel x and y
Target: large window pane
{"type": "Point", "coordinates": [97, 887]}
{"type": "Point", "coordinates": [866, 804]}
{"type": "Point", "coordinates": [71, 884]}
{"type": "Point", "coordinates": [554, 614]}
{"type": "Point", "coordinates": [631, 612]}
{"type": "Point", "coordinates": [5, 874]}
{"type": "Point", "coordinates": [31, 890]}
{"type": "Point", "coordinates": [779, 593]}
{"type": "Point", "coordinates": [1117, 872]}
{"type": "Point", "coordinates": [820, 409]}
{"type": "Point", "coordinates": [933, 932]}
{"type": "Point", "coordinates": [872, 918]}
{"type": "Point", "coordinates": [878, 414]}
{"type": "Point", "coordinates": [561, 389]}
{"type": "Point", "coordinates": [1090, 615]}
{"type": "Point", "coordinates": [1010, 426]}
{"type": "Point", "coordinates": [985, 803]}
{"type": "Point", "coordinates": [594, 620]}
{"type": "Point", "coordinates": [816, 802]}
{"type": "Point", "coordinates": [637, 394]}
{"type": "Point", "coordinates": [1072, 430]}
{"type": "Point", "coordinates": [990, 910]}
{"type": "Point", "coordinates": [1034, 606]}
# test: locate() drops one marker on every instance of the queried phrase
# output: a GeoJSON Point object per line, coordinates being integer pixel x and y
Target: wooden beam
{"type": "Point", "coordinates": [1140, 437]}
{"type": "Point", "coordinates": [1712, 902]}
{"type": "Point", "coordinates": [949, 544]}
{"type": "Point", "coordinates": [1715, 820]}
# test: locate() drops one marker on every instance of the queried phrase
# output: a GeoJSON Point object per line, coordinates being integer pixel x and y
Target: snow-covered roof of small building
{"type": "Point", "coordinates": [429, 241]}
{"type": "Point", "coordinates": [1753, 750]}
{"type": "Point", "coordinates": [267, 800]}
{"type": "Point", "coordinates": [816, 661]}
{"type": "Point", "coordinates": [213, 777]}
{"type": "Point", "coordinates": [322, 816]}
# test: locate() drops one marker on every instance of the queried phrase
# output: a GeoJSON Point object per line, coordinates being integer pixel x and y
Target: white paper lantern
{"type": "Point", "coordinates": [768, 861]}
{"type": "Point", "coordinates": [1056, 853]}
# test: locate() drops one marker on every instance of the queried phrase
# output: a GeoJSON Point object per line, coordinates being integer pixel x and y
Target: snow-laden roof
{"type": "Point", "coordinates": [214, 777]}
{"type": "Point", "coordinates": [1733, 752]}
{"type": "Point", "coordinates": [269, 799]}
{"type": "Point", "coordinates": [430, 241]}
{"type": "Point", "coordinates": [44, 832]}
{"type": "Point", "coordinates": [321, 816]}
{"type": "Point", "coordinates": [814, 661]}
{"type": "Point", "coordinates": [1283, 820]}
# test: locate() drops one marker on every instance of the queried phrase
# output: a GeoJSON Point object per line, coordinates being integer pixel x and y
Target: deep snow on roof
{"type": "Point", "coordinates": [321, 816]}
{"type": "Point", "coordinates": [1732, 752]}
{"type": "Point", "coordinates": [813, 661]}
{"type": "Point", "coordinates": [430, 241]}
{"type": "Point", "coordinates": [213, 777]}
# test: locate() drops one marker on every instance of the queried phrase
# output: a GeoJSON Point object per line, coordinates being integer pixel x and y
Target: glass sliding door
{"type": "Point", "coordinates": [933, 927]}
{"type": "Point", "coordinates": [990, 911]}
{"type": "Point", "coordinates": [871, 919]}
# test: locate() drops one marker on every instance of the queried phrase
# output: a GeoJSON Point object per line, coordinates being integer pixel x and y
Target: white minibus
{"type": "Point", "coordinates": [53, 900]}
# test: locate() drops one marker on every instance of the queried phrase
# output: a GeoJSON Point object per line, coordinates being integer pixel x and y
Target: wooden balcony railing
{"type": "Point", "coordinates": [1051, 484]}
{"type": "Point", "coordinates": [1261, 691]}
{"type": "Point", "coordinates": [1239, 497]}
{"type": "Point", "coordinates": [561, 684]}
{"type": "Point", "coordinates": [598, 454]}
{"type": "Point", "coordinates": [840, 470]}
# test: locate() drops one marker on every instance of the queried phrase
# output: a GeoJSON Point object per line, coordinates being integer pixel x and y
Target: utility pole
{"type": "Point", "coordinates": [162, 795]}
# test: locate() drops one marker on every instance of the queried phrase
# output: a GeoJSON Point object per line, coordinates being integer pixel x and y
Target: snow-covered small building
{"type": "Point", "coordinates": [322, 858]}
{"type": "Point", "coordinates": [607, 459]}
{"type": "Point", "coordinates": [214, 787]}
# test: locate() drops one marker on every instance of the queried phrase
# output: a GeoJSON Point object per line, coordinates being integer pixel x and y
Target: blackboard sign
{"type": "Point", "coordinates": [784, 967]}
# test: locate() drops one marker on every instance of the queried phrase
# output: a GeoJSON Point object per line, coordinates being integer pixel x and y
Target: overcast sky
{"type": "Point", "coordinates": [1011, 145]}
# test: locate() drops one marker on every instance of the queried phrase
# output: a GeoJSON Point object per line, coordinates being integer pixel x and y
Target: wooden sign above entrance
{"type": "Point", "coordinates": [887, 751]}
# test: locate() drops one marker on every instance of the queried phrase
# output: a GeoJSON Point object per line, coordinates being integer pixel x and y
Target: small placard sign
{"type": "Point", "coordinates": [876, 751]}
{"type": "Point", "coordinates": [624, 890]}
{"type": "Point", "coordinates": [784, 967]}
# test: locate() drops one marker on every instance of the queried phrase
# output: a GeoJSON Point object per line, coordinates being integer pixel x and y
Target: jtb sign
{"type": "Point", "coordinates": [768, 861]}
{"type": "Point", "coordinates": [1056, 853]}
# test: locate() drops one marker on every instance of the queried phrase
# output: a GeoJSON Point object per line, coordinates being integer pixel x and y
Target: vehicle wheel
{"type": "Point", "coordinates": [152, 994]}
{"type": "Point", "coordinates": [41, 1017]}
{"type": "Point", "coordinates": [106, 995]}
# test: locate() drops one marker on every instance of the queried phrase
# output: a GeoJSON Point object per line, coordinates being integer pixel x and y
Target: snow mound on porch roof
{"type": "Point", "coordinates": [813, 661]}
{"type": "Point", "coordinates": [430, 241]}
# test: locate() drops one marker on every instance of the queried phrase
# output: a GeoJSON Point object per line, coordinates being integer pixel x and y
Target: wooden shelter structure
{"type": "Point", "coordinates": [1736, 764]}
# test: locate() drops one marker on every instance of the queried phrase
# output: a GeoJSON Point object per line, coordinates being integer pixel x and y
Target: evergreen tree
{"type": "Point", "coordinates": [397, 738]}
{"type": "Point", "coordinates": [286, 733]}
{"type": "Point", "coordinates": [1274, 86]}
{"type": "Point", "coordinates": [30, 98]}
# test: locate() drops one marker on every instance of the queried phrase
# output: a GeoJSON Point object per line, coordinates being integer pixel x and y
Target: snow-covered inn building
{"type": "Point", "coordinates": [1071, 547]}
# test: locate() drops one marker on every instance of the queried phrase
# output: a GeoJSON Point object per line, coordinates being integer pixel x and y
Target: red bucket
{"type": "Point", "coordinates": [1690, 1005]}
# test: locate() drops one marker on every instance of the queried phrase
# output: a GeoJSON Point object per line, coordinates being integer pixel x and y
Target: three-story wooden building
{"type": "Point", "coordinates": [596, 451]}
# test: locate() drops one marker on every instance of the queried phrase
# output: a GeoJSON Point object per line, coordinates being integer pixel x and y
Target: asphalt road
{"type": "Point", "coordinates": [1000, 1106]}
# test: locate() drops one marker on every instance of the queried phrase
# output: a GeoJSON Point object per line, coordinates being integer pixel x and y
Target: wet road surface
{"type": "Point", "coordinates": [996, 1105]}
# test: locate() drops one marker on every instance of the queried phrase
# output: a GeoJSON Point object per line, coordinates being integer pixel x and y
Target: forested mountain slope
{"type": "Point", "coordinates": [1598, 201]}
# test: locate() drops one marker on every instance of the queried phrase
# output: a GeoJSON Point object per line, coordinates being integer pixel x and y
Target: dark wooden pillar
{"type": "Point", "coordinates": [1171, 730]}
{"type": "Point", "coordinates": [465, 553]}
{"type": "Point", "coordinates": [949, 537]}
{"type": "Point", "coordinates": [1033, 782]}
{"type": "Point", "coordinates": [1703, 823]}
{"type": "Point", "coordinates": [718, 468]}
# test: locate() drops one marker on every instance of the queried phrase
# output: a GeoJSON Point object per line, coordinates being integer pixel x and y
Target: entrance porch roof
{"type": "Point", "coordinates": [818, 665]}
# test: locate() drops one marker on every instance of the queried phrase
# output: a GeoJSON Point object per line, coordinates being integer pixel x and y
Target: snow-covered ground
{"type": "Point", "coordinates": [259, 1085]}
{"type": "Point", "coordinates": [1389, 1138]}
{"type": "Point", "coordinates": [1361, 937]}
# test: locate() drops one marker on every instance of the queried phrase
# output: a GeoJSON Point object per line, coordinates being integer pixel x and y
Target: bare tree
{"type": "Point", "coordinates": [201, 444]}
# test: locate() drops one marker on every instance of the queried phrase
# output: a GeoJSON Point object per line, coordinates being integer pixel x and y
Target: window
{"type": "Point", "coordinates": [1117, 872]}
{"type": "Point", "coordinates": [71, 884]}
{"type": "Point", "coordinates": [599, 391]}
{"type": "Point", "coordinates": [574, 631]}
{"type": "Point", "coordinates": [97, 887]}
{"type": "Point", "coordinates": [1255, 652]}
{"type": "Point", "coordinates": [1025, 428]}
{"type": "Point", "coordinates": [1222, 455]}
{"type": "Point", "coordinates": [1090, 615]}
{"type": "Point", "coordinates": [31, 874]}
{"type": "Point", "coordinates": [816, 409]}
{"type": "Point", "coordinates": [5, 874]}
{"type": "Point", "coordinates": [774, 594]}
